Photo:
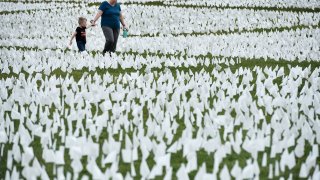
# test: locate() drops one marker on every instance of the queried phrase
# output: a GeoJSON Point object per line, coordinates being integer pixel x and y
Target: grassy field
{"type": "Point", "coordinates": [229, 66]}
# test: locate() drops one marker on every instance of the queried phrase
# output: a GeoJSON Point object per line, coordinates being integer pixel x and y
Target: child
{"type": "Point", "coordinates": [80, 34]}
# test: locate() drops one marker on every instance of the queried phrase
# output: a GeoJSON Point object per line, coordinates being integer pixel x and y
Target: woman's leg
{"type": "Point", "coordinates": [115, 35]}
{"type": "Point", "coordinates": [108, 34]}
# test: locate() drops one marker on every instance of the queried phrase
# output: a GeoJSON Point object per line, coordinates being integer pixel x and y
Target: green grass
{"type": "Point", "coordinates": [176, 158]}
{"type": "Point", "coordinates": [236, 31]}
{"type": "Point", "coordinates": [161, 3]}
{"type": "Point", "coordinates": [257, 8]}
{"type": "Point", "coordinates": [29, 11]}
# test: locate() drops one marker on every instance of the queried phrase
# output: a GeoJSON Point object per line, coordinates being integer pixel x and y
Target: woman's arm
{"type": "Point", "coordinates": [122, 20]}
{"type": "Point", "coordinates": [72, 37]}
{"type": "Point", "coordinates": [98, 15]}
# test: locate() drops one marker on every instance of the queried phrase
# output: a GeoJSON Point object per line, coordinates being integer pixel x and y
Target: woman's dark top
{"type": "Point", "coordinates": [111, 15]}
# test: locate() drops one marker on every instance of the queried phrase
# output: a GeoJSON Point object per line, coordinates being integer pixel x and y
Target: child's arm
{"type": "Point", "coordinates": [72, 37]}
{"type": "Point", "coordinates": [91, 24]}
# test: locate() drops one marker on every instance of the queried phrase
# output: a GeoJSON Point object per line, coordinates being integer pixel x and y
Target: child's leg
{"type": "Point", "coordinates": [81, 46]}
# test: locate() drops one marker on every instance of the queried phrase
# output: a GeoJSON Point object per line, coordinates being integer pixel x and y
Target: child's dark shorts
{"type": "Point", "coordinates": [81, 46]}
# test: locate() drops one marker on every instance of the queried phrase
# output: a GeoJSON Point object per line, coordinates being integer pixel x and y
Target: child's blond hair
{"type": "Point", "coordinates": [81, 19]}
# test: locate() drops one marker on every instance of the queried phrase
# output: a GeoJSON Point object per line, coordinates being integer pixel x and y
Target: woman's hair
{"type": "Point", "coordinates": [81, 19]}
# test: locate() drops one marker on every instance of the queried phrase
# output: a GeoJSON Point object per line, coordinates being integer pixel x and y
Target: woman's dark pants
{"type": "Point", "coordinates": [111, 36]}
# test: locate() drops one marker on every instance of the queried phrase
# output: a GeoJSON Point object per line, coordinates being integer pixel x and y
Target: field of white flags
{"type": "Point", "coordinates": [200, 89]}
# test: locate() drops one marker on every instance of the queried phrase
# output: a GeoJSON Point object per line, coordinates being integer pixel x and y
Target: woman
{"type": "Point", "coordinates": [111, 16]}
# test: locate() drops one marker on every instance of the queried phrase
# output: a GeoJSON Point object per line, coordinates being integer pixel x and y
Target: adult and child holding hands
{"type": "Point", "coordinates": [111, 17]}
